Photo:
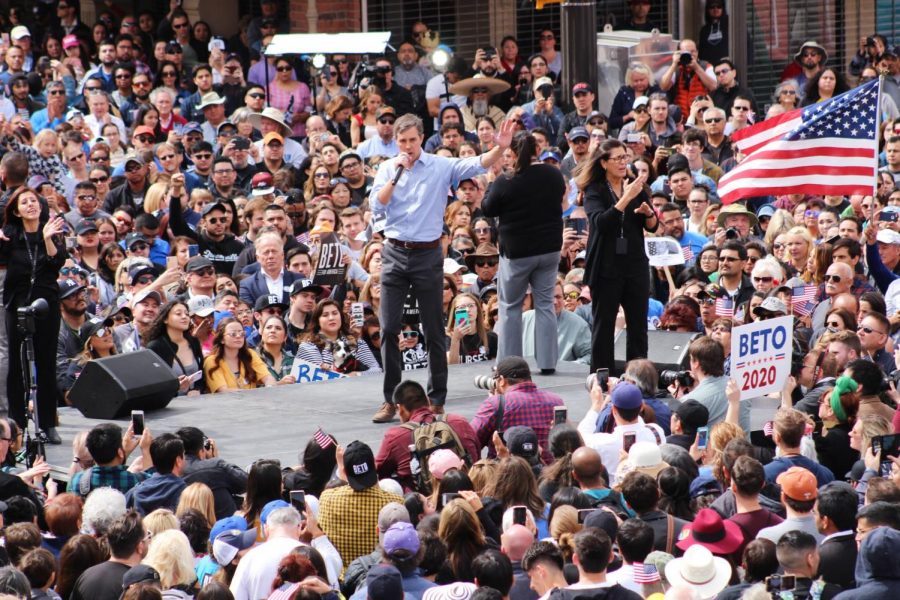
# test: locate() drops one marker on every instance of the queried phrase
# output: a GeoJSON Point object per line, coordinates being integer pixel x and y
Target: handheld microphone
{"type": "Point", "coordinates": [400, 170]}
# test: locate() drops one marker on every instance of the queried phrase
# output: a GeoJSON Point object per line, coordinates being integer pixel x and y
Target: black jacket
{"type": "Point", "coordinates": [224, 479]}
{"type": "Point", "coordinates": [18, 287]}
{"type": "Point", "coordinates": [837, 560]}
{"type": "Point", "coordinates": [606, 225]}
{"type": "Point", "coordinates": [122, 196]}
{"type": "Point", "coordinates": [222, 253]}
{"type": "Point", "coordinates": [529, 205]}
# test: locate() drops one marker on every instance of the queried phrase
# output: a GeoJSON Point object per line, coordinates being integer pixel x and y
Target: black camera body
{"type": "Point", "coordinates": [685, 59]}
{"type": "Point", "coordinates": [682, 378]}
{"type": "Point", "coordinates": [731, 234]}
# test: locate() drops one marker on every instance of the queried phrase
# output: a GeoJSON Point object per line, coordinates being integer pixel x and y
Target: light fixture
{"type": "Point", "coordinates": [440, 57]}
{"type": "Point", "coordinates": [318, 61]}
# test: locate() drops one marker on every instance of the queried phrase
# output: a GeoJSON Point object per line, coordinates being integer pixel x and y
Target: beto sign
{"type": "Point", "coordinates": [761, 356]}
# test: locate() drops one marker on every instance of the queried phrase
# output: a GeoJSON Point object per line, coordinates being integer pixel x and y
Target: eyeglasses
{"type": "Point", "coordinates": [722, 71]}
{"type": "Point", "coordinates": [235, 334]}
{"type": "Point", "coordinates": [386, 120]}
{"type": "Point", "coordinates": [548, 37]}
{"type": "Point", "coordinates": [789, 92]}
{"type": "Point", "coordinates": [833, 278]}
{"type": "Point", "coordinates": [140, 84]}
{"type": "Point", "coordinates": [480, 230]}
{"type": "Point", "coordinates": [619, 159]}
{"type": "Point", "coordinates": [763, 279]}
{"type": "Point", "coordinates": [87, 197]}
{"type": "Point", "coordinates": [729, 259]}
{"type": "Point", "coordinates": [57, 92]}
{"type": "Point", "coordinates": [169, 74]}
{"type": "Point", "coordinates": [811, 213]}
{"type": "Point", "coordinates": [865, 329]}
{"type": "Point", "coordinates": [283, 69]}
{"type": "Point", "coordinates": [217, 220]}
{"type": "Point", "coordinates": [713, 120]}
{"type": "Point", "coordinates": [488, 262]}
{"type": "Point", "coordinates": [257, 96]}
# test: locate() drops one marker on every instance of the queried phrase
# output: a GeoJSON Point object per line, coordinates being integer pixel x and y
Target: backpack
{"type": "Point", "coordinates": [426, 438]}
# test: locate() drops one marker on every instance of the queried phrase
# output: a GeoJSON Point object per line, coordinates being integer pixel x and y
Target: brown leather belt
{"type": "Point", "coordinates": [414, 245]}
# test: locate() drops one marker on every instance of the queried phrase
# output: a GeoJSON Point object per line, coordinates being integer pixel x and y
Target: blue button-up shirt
{"type": "Point", "coordinates": [375, 146]}
{"type": "Point", "coordinates": [415, 212]}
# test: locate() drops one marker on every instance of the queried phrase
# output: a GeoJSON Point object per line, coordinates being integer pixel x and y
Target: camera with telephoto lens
{"type": "Point", "coordinates": [364, 75]}
{"type": "Point", "coordinates": [731, 234]}
{"type": "Point", "coordinates": [682, 378]}
{"type": "Point", "coordinates": [485, 382]}
{"type": "Point", "coordinates": [685, 59]}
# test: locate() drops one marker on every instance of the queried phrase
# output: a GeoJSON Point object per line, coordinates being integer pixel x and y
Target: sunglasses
{"type": "Point", "coordinates": [322, 175]}
{"type": "Point", "coordinates": [123, 76]}
{"type": "Point", "coordinates": [811, 213]}
{"type": "Point", "coordinates": [257, 96]}
{"type": "Point", "coordinates": [284, 69]}
{"type": "Point", "coordinates": [833, 278]}
{"type": "Point", "coordinates": [217, 220]}
{"type": "Point", "coordinates": [203, 156]}
{"type": "Point", "coordinates": [235, 334]}
{"type": "Point", "coordinates": [410, 334]}
{"type": "Point", "coordinates": [76, 157]}
{"type": "Point", "coordinates": [140, 84]}
{"type": "Point", "coordinates": [573, 295]}
{"type": "Point", "coordinates": [741, 108]}
{"type": "Point", "coordinates": [386, 121]}
{"type": "Point", "coordinates": [140, 247]}
{"type": "Point", "coordinates": [179, 26]}
{"type": "Point", "coordinates": [101, 333]}
{"type": "Point", "coordinates": [729, 259]}
{"type": "Point", "coordinates": [146, 138]}
{"type": "Point", "coordinates": [865, 329]}
{"type": "Point", "coordinates": [763, 279]}
{"type": "Point", "coordinates": [490, 262]}
{"type": "Point", "coordinates": [66, 271]}
{"type": "Point", "coordinates": [167, 157]}
{"type": "Point", "coordinates": [789, 92]}
{"type": "Point", "coordinates": [375, 336]}
{"type": "Point", "coordinates": [169, 74]}
{"type": "Point", "coordinates": [57, 92]}
{"type": "Point", "coordinates": [144, 280]}
{"type": "Point", "coordinates": [834, 324]}
{"type": "Point", "coordinates": [480, 230]}
{"type": "Point", "coordinates": [596, 122]}
{"type": "Point", "coordinates": [87, 197]}
{"type": "Point", "coordinates": [99, 158]}
{"type": "Point", "coordinates": [712, 120]}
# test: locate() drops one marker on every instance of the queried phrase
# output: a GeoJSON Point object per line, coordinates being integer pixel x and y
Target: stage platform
{"type": "Point", "coordinates": [277, 422]}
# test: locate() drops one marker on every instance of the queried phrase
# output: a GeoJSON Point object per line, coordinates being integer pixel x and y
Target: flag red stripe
{"type": "Point", "coordinates": [794, 152]}
{"type": "Point", "coordinates": [762, 126]}
{"type": "Point", "coordinates": [820, 171]}
{"type": "Point", "coordinates": [760, 188]}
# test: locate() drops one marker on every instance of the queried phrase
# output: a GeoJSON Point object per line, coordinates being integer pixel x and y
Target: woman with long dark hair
{"type": "Point", "coordinates": [618, 212]}
{"type": "Point", "coordinates": [529, 206]}
{"type": "Point", "coordinates": [33, 253]}
{"type": "Point", "coordinates": [170, 337]}
{"type": "Point", "coordinates": [329, 331]}
{"type": "Point", "coordinates": [232, 365]}
{"type": "Point", "coordinates": [263, 485]}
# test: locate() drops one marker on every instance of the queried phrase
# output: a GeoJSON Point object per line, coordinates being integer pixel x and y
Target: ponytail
{"type": "Point", "coordinates": [526, 151]}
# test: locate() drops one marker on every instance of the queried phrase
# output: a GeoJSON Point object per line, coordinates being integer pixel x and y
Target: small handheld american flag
{"type": "Point", "coordinates": [687, 253]}
{"type": "Point", "coordinates": [725, 307]}
{"type": "Point", "coordinates": [803, 300]}
{"type": "Point", "coordinates": [645, 574]}
{"type": "Point", "coordinates": [322, 439]}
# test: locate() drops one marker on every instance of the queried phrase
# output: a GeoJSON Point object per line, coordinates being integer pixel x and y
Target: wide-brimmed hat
{"type": "Point", "coordinates": [464, 87]}
{"type": "Point", "coordinates": [700, 570]}
{"type": "Point", "coordinates": [270, 112]}
{"type": "Point", "coordinates": [482, 251]}
{"type": "Point", "coordinates": [210, 99]}
{"type": "Point", "coordinates": [645, 457]}
{"type": "Point", "coordinates": [812, 44]}
{"type": "Point", "coordinates": [736, 209]}
{"type": "Point", "coordinates": [709, 530]}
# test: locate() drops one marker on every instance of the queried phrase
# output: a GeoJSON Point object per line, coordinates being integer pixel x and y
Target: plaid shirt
{"type": "Point", "coordinates": [117, 477]}
{"type": "Point", "coordinates": [350, 518]}
{"type": "Point", "coordinates": [525, 405]}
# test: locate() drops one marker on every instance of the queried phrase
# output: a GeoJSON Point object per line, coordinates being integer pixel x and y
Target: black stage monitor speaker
{"type": "Point", "coordinates": [666, 349]}
{"type": "Point", "coordinates": [110, 388]}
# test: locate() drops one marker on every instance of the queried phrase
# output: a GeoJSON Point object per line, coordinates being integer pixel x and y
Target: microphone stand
{"type": "Point", "coordinates": [35, 438]}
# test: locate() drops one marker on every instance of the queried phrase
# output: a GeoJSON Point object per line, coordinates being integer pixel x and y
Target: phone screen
{"type": "Point", "coordinates": [137, 422]}
{"type": "Point", "coordinates": [171, 262]}
{"type": "Point", "coordinates": [461, 317]}
{"type": "Point", "coordinates": [628, 441]}
{"type": "Point", "coordinates": [702, 437]}
{"type": "Point", "coordinates": [560, 414]}
{"type": "Point", "coordinates": [193, 250]}
{"type": "Point", "coordinates": [603, 379]}
{"type": "Point", "coordinates": [519, 515]}
{"type": "Point", "coordinates": [298, 500]}
{"type": "Point", "coordinates": [448, 498]}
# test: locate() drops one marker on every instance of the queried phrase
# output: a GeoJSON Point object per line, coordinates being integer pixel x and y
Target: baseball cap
{"type": "Point", "coordinates": [201, 306]}
{"type": "Point", "coordinates": [211, 206]}
{"type": "Point", "coordinates": [348, 154]}
{"type": "Point", "coordinates": [692, 415]}
{"type": "Point", "coordinates": [642, 101]}
{"type": "Point", "coordinates": [385, 110]}
{"type": "Point", "coordinates": [139, 269]}
{"type": "Point", "coordinates": [305, 285]}
{"type": "Point", "coordinates": [384, 582]}
{"type": "Point", "coordinates": [359, 464]}
{"type": "Point", "coordinates": [133, 238]}
{"type": "Point", "coordinates": [73, 113]}
{"type": "Point", "coordinates": [143, 130]}
{"type": "Point", "coordinates": [228, 543]}
{"type": "Point", "coordinates": [888, 236]}
{"type": "Point", "coordinates": [191, 126]}
{"type": "Point", "coordinates": [92, 326]}
{"type": "Point", "coordinates": [70, 41]}
{"type": "Point", "coordinates": [144, 294]}
{"type": "Point", "coordinates": [68, 287]}
{"type": "Point", "coordinates": [224, 124]}
{"type": "Point", "coordinates": [798, 483]}
{"type": "Point", "coordinates": [442, 461]}
{"type": "Point", "coordinates": [18, 32]}
{"type": "Point", "coordinates": [582, 87]}
{"type": "Point", "coordinates": [139, 573]}
{"type": "Point", "coordinates": [542, 81]}
{"type": "Point", "coordinates": [134, 158]}
{"type": "Point", "coordinates": [400, 536]}
{"type": "Point", "coordinates": [222, 525]}
{"type": "Point", "coordinates": [772, 304]}
{"type": "Point", "coordinates": [272, 135]}
{"type": "Point", "coordinates": [627, 396]}
{"type": "Point", "coordinates": [513, 367]}
{"type": "Point", "coordinates": [197, 263]}
{"type": "Point", "coordinates": [578, 133]}
{"type": "Point", "coordinates": [268, 301]}
{"type": "Point", "coordinates": [262, 184]}
{"type": "Point", "coordinates": [548, 154]}
{"type": "Point", "coordinates": [85, 226]}
{"type": "Point", "coordinates": [271, 507]}
{"type": "Point", "coordinates": [522, 441]}
{"type": "Point", "coordinates": [451, 266]}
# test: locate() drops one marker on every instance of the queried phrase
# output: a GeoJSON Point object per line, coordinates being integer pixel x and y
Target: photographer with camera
{"type": "Point", "coordinates": [798, 555]}
{"type": "Point", "coordinates": [870, 48]}
{"type": "Point", "coordinates": [707, 360]}
{"type": "Point", "coordinates": [515, 400]}
{"type": "Point", "coordinates": [202, 464]}
{"type": "Point", "coordinates": [544, 111]}
{"type": "Point", "coordinates": [687, 77]}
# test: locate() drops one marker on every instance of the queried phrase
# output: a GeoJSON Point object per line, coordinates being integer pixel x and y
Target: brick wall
{"type": "Point", "coordinates": [331, 16]}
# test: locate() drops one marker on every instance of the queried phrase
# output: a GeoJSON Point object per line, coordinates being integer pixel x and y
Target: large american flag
{"type": "Point", "coordinates": [803, 299]}
{"type": "Point", "coordinates": [826, 148]}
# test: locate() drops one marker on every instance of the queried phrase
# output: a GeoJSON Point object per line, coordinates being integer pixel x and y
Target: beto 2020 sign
{"type": "Point", "coordinates": [761, 356]}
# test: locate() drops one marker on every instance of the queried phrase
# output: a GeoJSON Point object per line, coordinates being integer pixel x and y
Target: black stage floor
{"type": "Point", "coordinates": [277, 422]}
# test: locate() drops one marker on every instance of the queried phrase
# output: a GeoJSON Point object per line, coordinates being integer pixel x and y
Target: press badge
{"type": "Point", "coordinates": [621, 246]}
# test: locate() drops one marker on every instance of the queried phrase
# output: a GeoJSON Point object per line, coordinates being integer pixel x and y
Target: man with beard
{"type": "Point", "coordinates": [144, 307]}
{"type": "Point", "coordinates": [412, 76]}
{"type": "Point", "coordinates": [809, 60]}
{"type": "Point", "coordinates": [73, 310]}
{"type": "Point", "coordinates": [106, 69]}
{"type": "Point", "coordinates": [351, 168]}
{"type": "Point", "coordinates": [672, 223]}
{"type": "Point", "coordinates": [123, 97]}
{"type": "Point", "coordinates": [479, 90]}
{"type": "Point", "coordinates": [395, 95]}
{"type": "Point", "coordinates": [140, 85]}
{"type": "Point", "coordinates": [128, 543]}
{"type": "Point", "coordinates": [296, 212]}
{"type": "Point", "coordinates": [21, 98]}
{"type": "Point", "coordinates": [583, 98]}
{"type": "Point", "coordinates": [213, 238]}
{"type": "Point", "coordinates": [382, 144]}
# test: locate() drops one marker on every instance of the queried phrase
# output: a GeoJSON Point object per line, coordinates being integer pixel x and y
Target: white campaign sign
{"type": "Point", "coordinates": [761, 356]}
{"type": "Point", "coordinates": [306, 372]}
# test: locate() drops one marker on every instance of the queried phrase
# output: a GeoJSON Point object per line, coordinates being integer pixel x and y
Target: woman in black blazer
{"type": "Point", "coordinates": [171, 338]}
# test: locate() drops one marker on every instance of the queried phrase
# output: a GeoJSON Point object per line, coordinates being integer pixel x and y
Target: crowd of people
{"type": "Point", "coordinates": [240, 214]}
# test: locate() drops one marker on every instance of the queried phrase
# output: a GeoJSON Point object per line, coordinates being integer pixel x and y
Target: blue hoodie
{"type": "Point", "coordinates": [160, 491]}
{"type": "Point", "coordinates": [435, 140]}
{"type": "Point", "coordinates": [877, 567]}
